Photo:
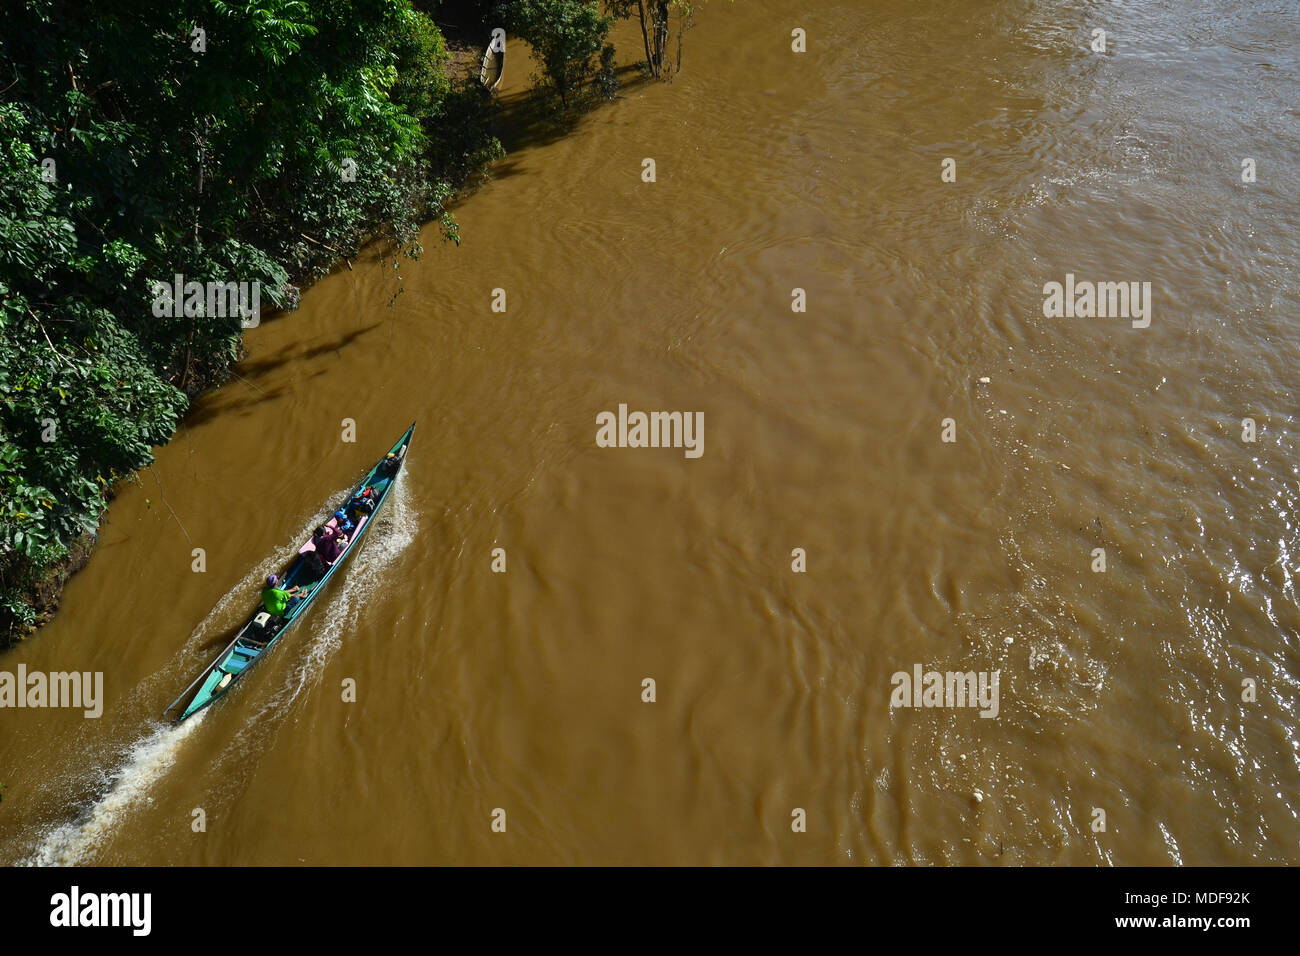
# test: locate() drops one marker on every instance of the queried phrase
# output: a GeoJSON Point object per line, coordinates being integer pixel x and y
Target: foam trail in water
{"type": "Point", "coordinates": [149, 758]}
{"type": "Point", "coordinates": [155, 751]}
{"type": "Point", "coordinates": [395, 530]}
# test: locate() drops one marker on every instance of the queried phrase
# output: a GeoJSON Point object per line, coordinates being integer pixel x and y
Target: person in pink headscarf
{"type": "Point", "coordinates": [329, 542]}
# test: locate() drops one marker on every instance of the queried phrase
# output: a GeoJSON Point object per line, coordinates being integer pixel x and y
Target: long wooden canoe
{"type": "Point", "coordinates": [493, 66]}
{"type": "Point", "coordinates": [261, 630]}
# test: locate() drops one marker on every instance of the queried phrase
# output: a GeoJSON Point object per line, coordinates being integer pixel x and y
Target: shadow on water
{"type": "Point", "coordinates": [252, 369]}
{"type": "Point", "coordinates": [209, 410]}
{"type": "Point", "coordinates": [530, 118]}
{"type": "Point", "coordinates": [248, 371]}
{"type": "Point", "coordinates": [524, 119]}
{"type": "Point", "coordinates": [221, 639]}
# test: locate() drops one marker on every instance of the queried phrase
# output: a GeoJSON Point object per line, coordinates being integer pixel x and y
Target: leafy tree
{"type": "Point", "coordinates": [655, 17]}
{"type": "Point", "coordinates": [81, 403]}
{"type": "Point", "coordinates": [568, 36]}
{"type": "Point", "coordinates": [133, 148]}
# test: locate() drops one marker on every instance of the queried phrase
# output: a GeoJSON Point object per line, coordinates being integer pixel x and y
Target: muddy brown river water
{"type": "Point", "coordinates": [1162, 692]}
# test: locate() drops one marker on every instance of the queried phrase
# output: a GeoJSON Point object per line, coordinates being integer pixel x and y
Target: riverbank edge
{"type": "Point", "coordinates": [464, 60]}
{"type": "Point", "coordinates": [47, 591]}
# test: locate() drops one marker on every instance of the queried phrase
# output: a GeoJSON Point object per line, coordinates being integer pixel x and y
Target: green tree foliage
{"type": "Point", "coordinates": [568, 36]}
{"type": "Point", "coordinates": [656, 19]}
{"type": "Point", "coordinates": [224, 140]}
{"type": "Point", "coordinates": [82, 403]}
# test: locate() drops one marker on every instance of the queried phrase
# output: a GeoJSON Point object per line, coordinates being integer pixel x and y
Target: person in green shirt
{"type": "Point", "coordinates": [276, 600]}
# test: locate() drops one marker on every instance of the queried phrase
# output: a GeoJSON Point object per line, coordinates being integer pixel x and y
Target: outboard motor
{"type": "Point", "coordinates": [263, 627]}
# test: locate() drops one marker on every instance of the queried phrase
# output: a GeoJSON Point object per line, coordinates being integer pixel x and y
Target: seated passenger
{"type": "Point", "coordinates": [344, 522]}
{"type": "Point", "coordinates": [388, 467]}
{"type": "Point", "coordinates": [362, 504]}
{"type": "Point", "coordinates": [313, 566]}
{"type": "Point", "coordinates": [278, 601]}
{"type": "Point", "coordinates": [322, 536]}
{"type": "Point", "coordinates": [329, 543]}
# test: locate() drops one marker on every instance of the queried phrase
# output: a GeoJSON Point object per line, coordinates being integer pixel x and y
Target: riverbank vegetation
{"type": "Point", "coordinates": [227, 143]}
{"type": "Point", "coordinates": [663, 30]}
